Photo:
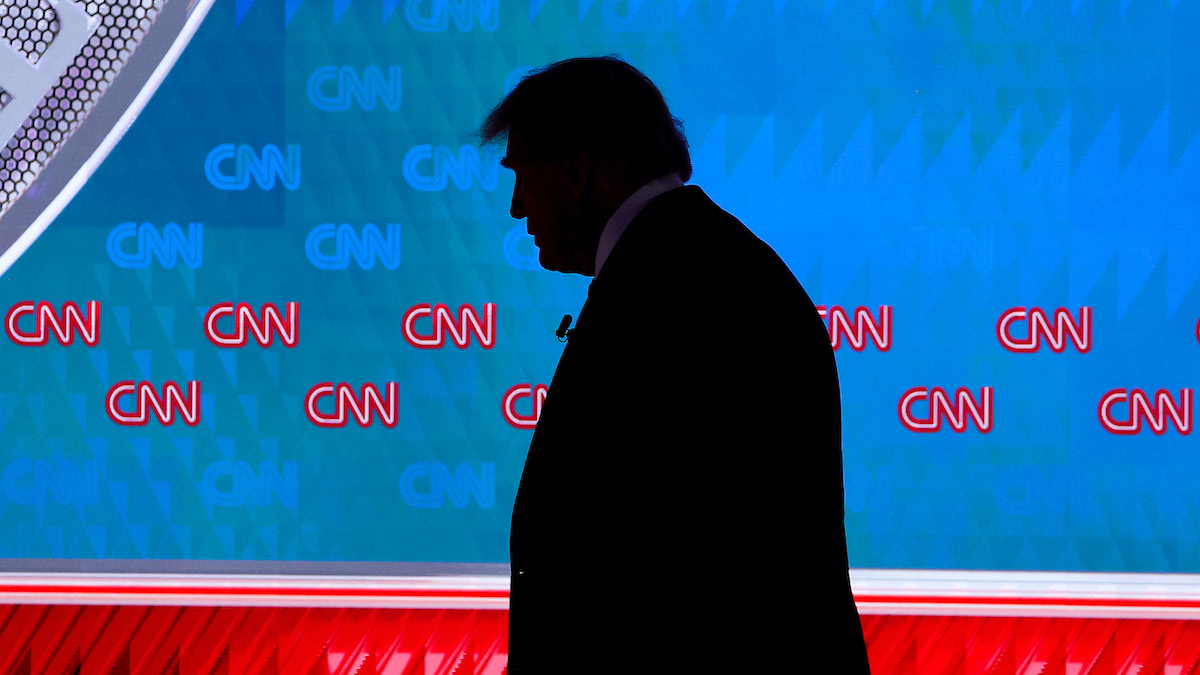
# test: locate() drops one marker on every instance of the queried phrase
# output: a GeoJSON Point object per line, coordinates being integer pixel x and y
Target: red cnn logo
{"type": "Point", "coordinates": [958, 413]}
{"type": "Point", "coordinates": [246, 321]}
{"type": "Point", "coordinates": [855, 330]}
{"type": "Point", "coordinates": [146, 399]}
{"type": "Point", "coordinates": [1039, 326]}
{"type": "Point", "coordinates": [1141, 408]}
{"type": "Point", "coordinates": [363, 406]}
{"type": "Point", "coordinates": [443, 321]}
{"type": "Point", "coordinates": [46, 320]}
{"type": "Point", "coordinates": [519, 391]}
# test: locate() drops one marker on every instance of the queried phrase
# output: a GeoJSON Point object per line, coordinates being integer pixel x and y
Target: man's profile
{"type": "Point", "coordinates": [700, 530]}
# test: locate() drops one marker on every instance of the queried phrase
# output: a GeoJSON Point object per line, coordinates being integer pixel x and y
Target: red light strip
{"type": "Point", "coordinates": [249, 590]}
{"type": "Point", "coordinates": [879, 592]}
{"type": "Point", "coordinates": [481, 592]}
{"type": "Point", "coordinates": [1025, 593]}
{"type": "Point", "coordinates": [975, 600]}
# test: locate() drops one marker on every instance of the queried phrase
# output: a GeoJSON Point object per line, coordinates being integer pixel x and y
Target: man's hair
{"type": "Point", "coordinates": [599, 106]}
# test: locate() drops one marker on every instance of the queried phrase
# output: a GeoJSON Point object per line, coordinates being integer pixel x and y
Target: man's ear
{"type": "Point", "coordinates": [579, 172]}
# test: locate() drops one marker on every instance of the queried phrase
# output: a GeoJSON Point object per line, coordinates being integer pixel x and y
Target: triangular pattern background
{"type": "Point", "coordinates": [947, 159]}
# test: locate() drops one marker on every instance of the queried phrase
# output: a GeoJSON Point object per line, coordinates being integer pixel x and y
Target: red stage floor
{"type": "Point", "coordinates": [915, 622]}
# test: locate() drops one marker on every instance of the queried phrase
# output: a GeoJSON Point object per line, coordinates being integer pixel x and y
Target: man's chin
{"type": "Point", "coordinates": [555, 265]}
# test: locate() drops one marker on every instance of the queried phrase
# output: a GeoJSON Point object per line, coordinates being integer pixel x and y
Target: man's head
{"type": "Point", "coordinates": [583, 134]}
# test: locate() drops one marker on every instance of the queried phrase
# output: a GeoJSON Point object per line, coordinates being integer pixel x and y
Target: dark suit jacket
{"type": "Point", "coordinates": [684, 482]}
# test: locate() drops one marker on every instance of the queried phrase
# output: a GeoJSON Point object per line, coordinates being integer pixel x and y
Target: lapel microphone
{"type": "Point", "coordinates": [563, 333]}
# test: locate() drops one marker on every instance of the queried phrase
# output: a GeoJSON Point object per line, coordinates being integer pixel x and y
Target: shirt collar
{"type": "Point", "coordinates": [629, 209]}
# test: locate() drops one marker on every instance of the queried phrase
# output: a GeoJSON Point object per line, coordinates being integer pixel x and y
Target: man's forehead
{"type": "Point", "coordinates": [517, 152]}
{"type": "Point", "coordinates": [517, 148]}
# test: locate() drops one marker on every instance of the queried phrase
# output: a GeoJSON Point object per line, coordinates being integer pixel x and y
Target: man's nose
{"type": "Point", "coordinates": [517, 209]}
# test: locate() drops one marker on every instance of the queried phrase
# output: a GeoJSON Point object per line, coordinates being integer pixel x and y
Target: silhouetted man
{"type": "Point", "coordinates": [681, 506]}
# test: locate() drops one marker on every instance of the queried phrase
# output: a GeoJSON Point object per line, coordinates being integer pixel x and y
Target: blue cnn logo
{"type": "Point", "coordinates": [249, 164]}
{"type": "Point", "coordinates": [234, 483]}
{"type": "Point", "coordinates": [332, 89]}
{"type": "Point", "coordinates": [365, 247]}
{"type": "Point", "coordinates": [434, 16]}
{"type": "Point", "coordinates": [426, 485]}
{"type": "Point", "coordinates": [135, 246]}
{"type": "Point", "coordinates": [30, 481]}
{"type": "Point", "coordinates": [430, 169]}
{"type": "Point", "coordinates": [519, 250]}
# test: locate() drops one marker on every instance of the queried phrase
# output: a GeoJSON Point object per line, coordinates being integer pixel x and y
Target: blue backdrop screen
{"type": "Point", "coordinates": [289, 317]}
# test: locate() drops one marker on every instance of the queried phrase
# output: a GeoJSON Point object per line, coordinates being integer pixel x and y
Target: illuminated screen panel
{"type": "Point", "coordinates": [288, 319]}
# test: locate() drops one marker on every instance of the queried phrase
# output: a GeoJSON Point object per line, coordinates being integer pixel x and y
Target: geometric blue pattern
{"type": "Point", "coordinates": [949, 159]}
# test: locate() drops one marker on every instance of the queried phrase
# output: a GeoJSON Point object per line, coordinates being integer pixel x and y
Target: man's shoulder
{"type": "Point", "coordinates": [689, 201]}
{"type": "Point", "coordinates": [684, 256]}
{"type": "Point", "coordinates": [685, 229]}
{"type": "Point", "coordinates": [688, 223]}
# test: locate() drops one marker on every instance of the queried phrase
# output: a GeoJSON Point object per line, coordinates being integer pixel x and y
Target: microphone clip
{"type": "Point", "coordinates": [563, 333]}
